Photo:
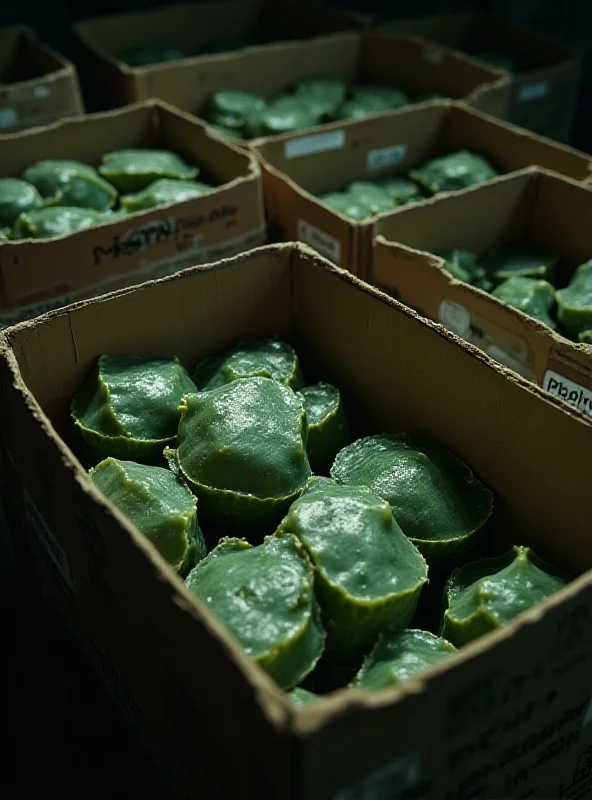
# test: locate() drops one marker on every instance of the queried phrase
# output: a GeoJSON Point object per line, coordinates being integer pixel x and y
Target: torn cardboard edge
{"type": "Point", "coordinates": [419, 277]}
{"type": "Point", "coordinates": [147, 240]}
{"type": "Point", "coordinates": [298, 167]}
{"type": "Point", "coordinates": [276, 706]}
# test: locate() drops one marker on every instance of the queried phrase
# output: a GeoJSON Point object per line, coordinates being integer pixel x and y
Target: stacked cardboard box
{"type": "Point", "coordinates": [37, 85]}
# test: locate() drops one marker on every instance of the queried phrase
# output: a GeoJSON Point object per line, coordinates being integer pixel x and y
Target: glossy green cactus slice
{"type": "Point", "coordinates": [435, 497]}
{"type": "Point", "coordinates": [158, 504]}
{"type": "Point", "coordinates": [368, 573]}
{"type": "Point", "coordinates": [529, 295]}
{"type": "Point", "coordinates": [16, 197]}
{"type": "Point", "coordinates": [328, 430]}
{"type": "Point", "coordinates": [266, 358]}
{"type": "Point", "coordinates": [264, 596]}
{"type": "Point", "coordinates": [452, 172]}
{"type": "Point", "coordinates": [129, 406]}
{"type": "Point", "coordinates": [164, 191]}
{"type": "Point", "coordinates": [242, 449]}
{"type": "Point", "coordinates": [486, 594]}
{"type": "Point", "coordinates": [134, 170]}
{"type": "Point", "coordinates": [398, 656]}
{"type": "Point", "coordinates": [574, 303]}
{"type": "Point", "coordinates": [46, 223]}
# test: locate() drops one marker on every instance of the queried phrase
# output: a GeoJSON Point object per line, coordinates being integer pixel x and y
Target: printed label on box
{"type": "Point", "coordinates": [315, 143]}
{"type": "Point", "coordinates": [385, 157]}
{"type": "Point", "coordinates": [533, 91]}
{"type": "Point", "coordinates": [8, 117]}
{"type": "Point", "coordinates": [455, 317]}
{"type": "Point", "coordinates": [40, 92]}
{"type": "Point", "coordinates": [572, 393]}
{"type": "Point", "coordinates": [385, 783]}
{"type": "Point", "coordinates": [48, 541]}
{"type": "Point", "coordinates": [326, 245]}
{"type": "Point", "coordinates": [195, 254]}
{"type": "Point", "coordinates": [508, 349]}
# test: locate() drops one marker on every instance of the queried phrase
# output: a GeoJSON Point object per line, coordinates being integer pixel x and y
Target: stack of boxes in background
{"type": "Point", "coordinates": [522, 418]}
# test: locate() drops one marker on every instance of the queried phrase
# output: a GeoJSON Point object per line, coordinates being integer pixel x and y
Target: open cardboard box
{"type": "Point", "coordinates": [533, 207]}
{"type": "Point", "coordinates": [507, 715]}
{"type": "Point", "coordinates": [296, 168]}
{"type": "Point", "coordinates": [544, 90]}
{"type": "Point", "coordinates": [36, 275]}
{"type": "Point", "coordinates": [353, 57]}
{"type": "Point", "coordinates": [37, 85]}
{"type": "Point", "coordinates": [194, 27]}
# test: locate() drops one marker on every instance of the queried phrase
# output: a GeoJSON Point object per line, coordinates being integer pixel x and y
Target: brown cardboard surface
{"type": "Point", "coordinates": [544, 90]}
{"type": "Point", "coordinates": [297, 167]}
{"type": "Point", "coordinates": [36, 275]}
{"type": "Point", "coordinates": [37, 85]}
{"type": "Point", "coordinates": [192, 26]}
{"type": "Point", "coordinates": [534, 207]}
{"type": "Point", "coordinates": [508, 716]}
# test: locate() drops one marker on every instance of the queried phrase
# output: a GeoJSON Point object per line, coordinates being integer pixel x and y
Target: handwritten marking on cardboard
{"type": "Point", "coordinates": [8, 117]}
{"type": "Point", "coordinates": [385, 783]}
{"type": "Point", "coordinates": [315, 143]}
{"type": "Point", "coordinates": [385, 157]}
{"type": "Point", "coordinates": [326, 245]}
{"type": "Point", "coordinates": [50, 544]}
{"type": "Point", "coordinates": [533, 91]}
{"type": "Point", "coordinates": [569, 391]}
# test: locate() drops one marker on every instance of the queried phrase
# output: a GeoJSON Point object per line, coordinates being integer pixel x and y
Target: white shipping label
{"type": "Point", "coordinates": [315, 143]}
{"type": "Point", "coordinates": [326, 245]}
{"type": "Point", "coordinates": [386, 783]}
{"type": "Point", "coordinates": [8, 117]}
{"type": "Point", "coordinates": [50, 544]}
{"type": "Point", "coordinates": [567, 390]}
{"type": "Point", "coordinates": [533, 91]}
{"type": "Point", "coordinates": [455, 317]}
{"type": "Point", "coordinates": [386, 157]}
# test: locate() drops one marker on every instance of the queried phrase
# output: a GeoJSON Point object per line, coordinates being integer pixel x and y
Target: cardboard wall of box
{"type": "Point", "coordinates": [191, 26]}
{"type": "Point", "coordinates": [509, 714]}
{"type": "Point", "coordinates": [274, 68]}
{"type": "Point", "coordinates": [37, 85]}
{"type": "Point", "coordinates": [295, 168]}
{"type": "Point", "coordinates": [36, 275]}
{"type": "Point", "coordinates": [544, 90]}
{"type": "Point", "coordinates": [534, 207]}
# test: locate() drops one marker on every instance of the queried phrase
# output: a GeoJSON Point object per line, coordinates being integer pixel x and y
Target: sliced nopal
{"type": "Point", "coordinates": [134, 170]}
{"type": "Point", "coordinates": [265, 596]}
{"type": "Point", "coordinates": [328, 429]}
{"type": "Point", "coordinates": [368, 573]}
{"type": "Point", "coordinates": [435, 497]}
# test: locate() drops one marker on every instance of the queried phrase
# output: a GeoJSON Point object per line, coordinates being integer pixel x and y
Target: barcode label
{"type": "Point", "coordinates": [385, 157]}
{"type": "Point", "coordinates": [48, 541]}
{"type": "Point", "coordinates": [326, 245]}
{"type": "Point", "coordinates": [316, 143]}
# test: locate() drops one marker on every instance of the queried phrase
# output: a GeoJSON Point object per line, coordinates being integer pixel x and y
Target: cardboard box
{"type": "Point", "coordinates": [36, 275]}
{"type": "Point", "coordinates": [376, 148]}
{"type": "Point", "coordinates": [544, 92]}
{"type": "Point", "coordinates": [533, 207]}
{"type": "Point", "coordinates": [37, 85]}
{"type": "Point", "coordinates": [191, 26]}
{"type": "Point", "coordinates": [509, 715]}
